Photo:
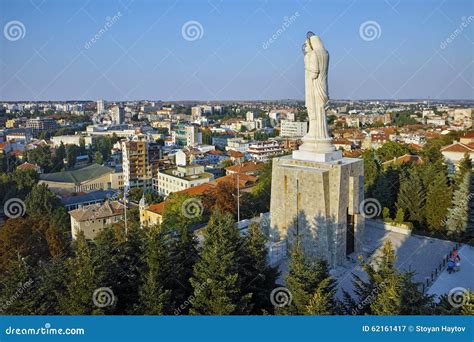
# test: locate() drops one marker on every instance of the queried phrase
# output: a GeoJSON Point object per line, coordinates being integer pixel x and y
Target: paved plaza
{"type": "Point", "coordinates": [419, 254]}
{"type": "Point", "coordinates": [463, 278]}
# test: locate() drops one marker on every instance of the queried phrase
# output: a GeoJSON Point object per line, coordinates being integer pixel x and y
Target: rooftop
{"type": "Point", "coordinates": [98, 195]}
{"type": "Point", "coordinates": [458, 147]}
{"type": "Point", "coordinates": [77, 176]}
{"type": "Point", "coordinates": [406, 158]}
{"type": "Point", "coordinates": [235, 154]}
{"type": "Point", "coordinates": [244, 181]}
{"type": "Point", "coordinates": [28, 166]}
{"type": "Point", "coordinates": [97, 211]}
{"type": "Point", "coordinates": [202, 175]}
{"type": "Point", "coordinates": [245, 167]}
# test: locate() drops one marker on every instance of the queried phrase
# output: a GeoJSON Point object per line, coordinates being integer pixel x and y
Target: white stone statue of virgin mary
{"type": "Point", "coordinates": [316, 63]}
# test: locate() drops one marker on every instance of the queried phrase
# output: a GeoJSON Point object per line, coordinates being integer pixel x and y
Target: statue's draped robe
{"type": "Point", "coordinates": [316, 91]}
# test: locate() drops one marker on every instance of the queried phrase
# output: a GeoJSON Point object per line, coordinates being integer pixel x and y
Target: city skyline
{"type": "Point", "coordinates": [224, 51]}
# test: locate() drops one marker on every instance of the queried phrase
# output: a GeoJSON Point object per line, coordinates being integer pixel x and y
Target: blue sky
{"type": "Point", "coordinates": [144, 55]}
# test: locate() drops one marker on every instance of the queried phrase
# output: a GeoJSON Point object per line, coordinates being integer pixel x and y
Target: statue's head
{"type": "Point", "coordinates": [313, 42]}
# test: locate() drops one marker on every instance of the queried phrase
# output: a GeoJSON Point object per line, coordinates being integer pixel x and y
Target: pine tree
{"type": "Point", "coordinates": [50, 286]}
{"type": "Point", "coordinates": [184, 254]}
{"type": "Point", "coordinates": [80, 281]}
{"type": "Point", "coordinates": [178, 222]}
{"type": "Point", "coordinates": [438, 200]}
{"type": "Point", "coordinates": [303, 280]}
{"type": "Point", "coordinates": [322, 301]}
{"type": "Point", "coordinates": [386, 188]}
{"type": "Point", "coordinates": [411, 198]}
{"type": "Point", "coordinates": [258, 276]}
{"type": "Point", "coordinates": [106, 268]}
{"type": "Point", "coordinates": [457, 218]}
{"type": "Point", "coordinates": [400, 217]}
{"type": "Point", "coordinates": [468, 308]}
{"type": "Point", "coordinates": [384, 278]}
{"type": "Point", "coordinates": [414, 301]}
{"type": "Point", "coordinates": [41, 202]}
{"type": "Point", "coordinates": [129, 259]}
{"type": "Point", "coordinates": [216, 281]}
{"type": "Point", "coordinates": [17, 289]}
{"type": "Point", "coordinates": [98, 159]}
{"type": "Point", "coordinates": [465, 166]}
{"type": "Point", "coordinates": [61, 151]}
{"type": "Point", "coordinates": [388, 298]}
{"type": "Point", "coordinates": [154, 296]}
{"type": "Point", "coordinates": [386, 290]}
{"type": "Point", "coordinates": [371, 171]}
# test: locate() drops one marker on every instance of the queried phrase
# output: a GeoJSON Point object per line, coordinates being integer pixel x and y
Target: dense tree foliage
{"type": "Point", "coordinates": [310, 284]}
{"type": "Point", "coordinates": [386, 291]}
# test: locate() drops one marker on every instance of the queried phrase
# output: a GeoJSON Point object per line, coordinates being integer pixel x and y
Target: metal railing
{"type": "Point", "coordinates": [439, 269]}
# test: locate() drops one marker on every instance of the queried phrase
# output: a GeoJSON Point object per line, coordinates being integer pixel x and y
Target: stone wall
{"type": "Point", "coordinates": [385, 226]}
{"type": "Point", "coordinates": [313, 199]}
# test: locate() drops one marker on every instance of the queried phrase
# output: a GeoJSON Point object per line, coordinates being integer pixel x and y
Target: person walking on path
{"type": "Point", "coordinates": [451, 265]}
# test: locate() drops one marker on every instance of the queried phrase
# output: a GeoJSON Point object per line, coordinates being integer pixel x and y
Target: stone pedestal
{"type": "Point", "coordinates": [319, 199]}
{"type": "Point", "coordinates": [318, 157]}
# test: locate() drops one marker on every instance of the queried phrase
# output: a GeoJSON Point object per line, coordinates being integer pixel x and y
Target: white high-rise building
{"type": "Point", "coordinates": [196, 113]}
{"type": "Point", "coordinates": [186, 135]}
{"type": "Point", "coordinates": [290, 116]}
{"type": "Point", "coordinates": [293, 129]}
{"type": "Point", "coordinates": [118, 115]}
{"type": "Point", "coordinates": [100, 106]}
{"type": "Point", "coordinates": [250, 116]}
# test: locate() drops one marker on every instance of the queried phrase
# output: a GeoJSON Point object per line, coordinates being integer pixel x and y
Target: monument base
{"type": "Point", "coordinates": [317, 156]}
{"type": "Point", "coordinates": [318, 201]}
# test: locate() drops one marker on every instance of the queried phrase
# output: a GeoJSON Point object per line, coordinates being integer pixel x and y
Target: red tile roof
{"type": "Point", "coordinates": [157, 208]}
{"type": "Point", "coordinates": [459, 147]}
{"type": "Point", "coordinates": [216, 152]}
{"type": "Point", "coordinates": [406, 158]}
{"type": "Point", "coordinates": [247, 167]}
{"type": "Point", "coordinates": [244, 181]}
{"type": "Point", "coordinates": [341, 141]}
{"type": "Point", "coordinates": [28, 166]}
{"type": "Point", "coordinates": [235, 154]}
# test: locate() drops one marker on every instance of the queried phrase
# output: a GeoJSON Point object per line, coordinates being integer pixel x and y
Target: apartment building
{"type": "Point", "coordinates": [180, 178]}
{"type": "Point", "coordinates": [187, 135]}
{"type": "Point", "coordinates": [140, 159]}
{"type": "Point", "coordinates": [293, 129]}
{"type": "Point", "coordinates": [91, 219]}
{"type": "Point", "coordinates": [41, 124]}
{"type": "Point", "coordinates": [264, 150]}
